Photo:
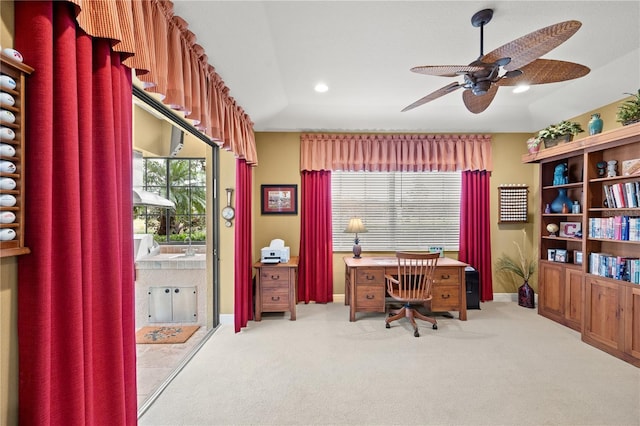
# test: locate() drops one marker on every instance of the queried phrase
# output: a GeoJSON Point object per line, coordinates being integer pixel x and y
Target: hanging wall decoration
{"type": "Point", "coordinates": [513, 203]}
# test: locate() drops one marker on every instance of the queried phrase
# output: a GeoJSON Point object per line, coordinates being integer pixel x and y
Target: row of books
{"type": "Point", "coordinates": [617, 267]}
{"type": "Point", "coordinates": [621, 195]}
{"type": "Point", "coordinates": [623, 228]}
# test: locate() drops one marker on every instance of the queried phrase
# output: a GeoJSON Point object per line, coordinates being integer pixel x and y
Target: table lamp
{"type": "Point", "coordinates": [355, 225]}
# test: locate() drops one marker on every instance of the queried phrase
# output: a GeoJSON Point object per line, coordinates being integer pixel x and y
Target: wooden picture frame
{"type": "Point", "coordinates": [279, 199]}
{"type": "Point", "coordinates": [577, 257]}
{"type": "Point", "coordinates": [561, 256]}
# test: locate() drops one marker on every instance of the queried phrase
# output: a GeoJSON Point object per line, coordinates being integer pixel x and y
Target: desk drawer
{"type": "Point", "coordinates": [270, 276]}
{"type": "Point", "coordinates": [445, 298]}
{"type": "Point", "coordinates": [275, 299]}
{"type": "Point", "coordinates": [370, 276]}
{"type": "Point", "coordinates": [370, 297]}
{"type": "Point", "coordinates": [446, 275]}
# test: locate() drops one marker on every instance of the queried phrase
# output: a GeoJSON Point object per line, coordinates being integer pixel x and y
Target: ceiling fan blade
{"type": "Point", "coordinates": [530, 47]}
{"type": "Point", "coordinates": [542, 71]}
{"type": "Point", "coordinates": [478, 103]}
{"type": "Point", "coordinates": [447, 70]}
{"type": "Point", "coordinates": [433, 95]}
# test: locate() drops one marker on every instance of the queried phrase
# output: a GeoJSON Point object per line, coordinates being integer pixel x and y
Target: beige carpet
{"type": "Point", "coordinates": [165, 335]}
{"type": "Point", "coordinates": [506, 365]}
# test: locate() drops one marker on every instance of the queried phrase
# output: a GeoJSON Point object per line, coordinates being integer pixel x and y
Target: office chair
{"type": "Point", "coordinates": [412, 287]}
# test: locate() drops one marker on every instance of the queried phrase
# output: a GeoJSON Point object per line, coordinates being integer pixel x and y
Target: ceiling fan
{"type": "Point", "coordinates": [515, 63]}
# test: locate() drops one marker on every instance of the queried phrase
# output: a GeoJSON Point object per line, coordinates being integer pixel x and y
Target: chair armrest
{"type": "Point", "coordinates": [391, 281]}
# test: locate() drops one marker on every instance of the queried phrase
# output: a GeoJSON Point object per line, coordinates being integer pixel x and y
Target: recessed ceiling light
{"type": "Point", "coordinates": [521, 88]}
{"type": "Point", "coordinates": [321, 88]}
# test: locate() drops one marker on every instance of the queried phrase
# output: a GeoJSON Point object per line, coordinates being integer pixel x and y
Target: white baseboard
{"type": "Point", "coordinates": [509, 297]}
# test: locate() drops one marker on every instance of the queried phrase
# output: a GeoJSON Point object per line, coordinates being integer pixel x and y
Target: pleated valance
{"type": "Point", "coordinates": [165, 57]}
{"type": "Point", "coordinates": [395, 152]}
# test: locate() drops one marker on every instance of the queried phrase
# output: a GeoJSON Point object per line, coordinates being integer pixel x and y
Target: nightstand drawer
{"type": "Point", "coordinates": [269, 276]}
{"type": "Point", "coordinates": [447, 276]}
{"type": "Point", "coordinates": [445, 297]}
{"type": "Point", "coordinates": [370, 297]}
{"type": "Point", "coordinates": [370, 276]}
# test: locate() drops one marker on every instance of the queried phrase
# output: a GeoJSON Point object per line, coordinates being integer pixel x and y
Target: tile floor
{"type": "Point", "coordinates": [156, 362]}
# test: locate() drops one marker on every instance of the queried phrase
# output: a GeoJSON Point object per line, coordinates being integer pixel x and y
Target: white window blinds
{"type": "Point", "coordinates": [401, 210]}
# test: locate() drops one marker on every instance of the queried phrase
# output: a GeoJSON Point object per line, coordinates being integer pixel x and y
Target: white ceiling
{"type": "Point", "coordinates": [271, 54]}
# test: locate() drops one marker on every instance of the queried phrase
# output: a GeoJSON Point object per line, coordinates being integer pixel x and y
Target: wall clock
{"type": "Point", "coordinates": [228, 212]}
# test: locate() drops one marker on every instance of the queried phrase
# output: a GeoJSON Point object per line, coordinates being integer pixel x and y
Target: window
{"type": "Point", "coordinates": [401, 210]}
{"type": "Point", "coordinates": [183, 181]}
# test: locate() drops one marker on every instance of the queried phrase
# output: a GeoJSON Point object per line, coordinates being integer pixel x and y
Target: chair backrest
{"type": "Point", "coordinates": [415, 274]}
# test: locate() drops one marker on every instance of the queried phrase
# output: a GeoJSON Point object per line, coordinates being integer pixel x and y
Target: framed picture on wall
{"type": "Point", "coordinates": [279, 199]}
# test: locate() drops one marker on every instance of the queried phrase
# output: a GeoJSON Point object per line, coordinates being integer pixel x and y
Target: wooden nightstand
{"type": "Point", "coordinates": [276, 287]}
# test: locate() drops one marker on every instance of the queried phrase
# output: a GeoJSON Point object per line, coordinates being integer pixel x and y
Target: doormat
{"type": "Point", "coordinates": [177, 334]}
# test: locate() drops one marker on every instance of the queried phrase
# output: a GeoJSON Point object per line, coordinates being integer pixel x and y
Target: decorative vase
{"type": "Point", "coordinates": [533, 149]}
{"type": "Point", "coordinates": [526, 296]}
{"type": "Point", "coordinates": [561, 200]}
{"type": "Point", "coordinates": [595, 124]}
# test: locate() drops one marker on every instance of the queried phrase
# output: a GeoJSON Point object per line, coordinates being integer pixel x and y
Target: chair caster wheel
{"type": "Point", "coordinates": [416, 334]}
{"type": "Point", "coordinates": [435, 326]}
{"type": "Point", "coordinates": [387, 325]}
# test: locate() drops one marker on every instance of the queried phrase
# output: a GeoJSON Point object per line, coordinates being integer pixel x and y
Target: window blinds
{"type": "Point", "coordinates": [401, 210]}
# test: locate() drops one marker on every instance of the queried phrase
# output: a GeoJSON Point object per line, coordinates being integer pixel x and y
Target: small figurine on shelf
{"type": "Point", "coordinates": [601, 166]}
{"type": "Point", "coordinates": [560, 174]}
{"type": "Point", "coordinates": [575, 208]}
{"type": "Point", "coordinates": [611, 170]}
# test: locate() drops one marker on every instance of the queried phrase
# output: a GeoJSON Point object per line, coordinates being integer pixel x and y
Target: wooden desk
{"type": "Point", "coordinates": [365, 287]}
{"type": "Point", "coordinates": [276, 287]}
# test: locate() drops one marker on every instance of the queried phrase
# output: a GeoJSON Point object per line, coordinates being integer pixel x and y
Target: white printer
{"type": "Point", "coordinates": [275, 253]}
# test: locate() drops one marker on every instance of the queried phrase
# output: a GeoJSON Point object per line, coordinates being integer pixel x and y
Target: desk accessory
{"type": "Point", "coordinates": [356, 226]}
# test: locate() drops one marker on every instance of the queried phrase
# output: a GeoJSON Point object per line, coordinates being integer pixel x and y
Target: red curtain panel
{"type": "Point", "coordinates": [243, 269]}
{"type": "Point", "coordinates": [76, 289]}
{"type": "Point", "coordinates": [315, 267]}
{"type": "Point", "coordinates": [475, 234]}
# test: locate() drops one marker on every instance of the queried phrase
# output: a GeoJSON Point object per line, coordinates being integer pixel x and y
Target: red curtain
{"type": "Point", "coordinates": [475, 234]}
{"type": "Point", "coordinates": [76, 328]}
{"type": "Point", "coordinates": [243, 270]}
{"type": "Point", "coordinates": [315, 268]}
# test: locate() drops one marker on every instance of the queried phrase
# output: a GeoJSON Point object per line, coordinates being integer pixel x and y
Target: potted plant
{"type": "Point", "coordinates": [629, 111]}
{"type": "Point", "coordinates": [533, 144]}
{"type": "Point", "coordinates": [564, 130]}
{"type": "Point", "coordinates": [523, 266]}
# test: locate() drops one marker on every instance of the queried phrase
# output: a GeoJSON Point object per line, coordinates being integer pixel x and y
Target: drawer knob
{"type": "Point", "coordinates": [370, 296]}
{"type": "Point", "coordinates": [445, 276]}
{"type": "Point", "coordinates": [275, 298]}
{"type": "Point", "coordinates": [275, 277]}
{"type": "Point", "coordinates": [370, 277]}
{"type": "Point", "coordinates": [446, 296]}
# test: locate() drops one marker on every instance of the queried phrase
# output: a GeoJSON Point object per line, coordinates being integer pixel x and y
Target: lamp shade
{"type": "Point", "coordinates": [355, 226]}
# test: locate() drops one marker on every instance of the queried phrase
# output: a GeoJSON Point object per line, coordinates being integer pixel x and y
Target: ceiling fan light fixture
{"type": "Point", "coordinates": [321, 88]}
{"type": "Point", "coordinates": [521, 88]}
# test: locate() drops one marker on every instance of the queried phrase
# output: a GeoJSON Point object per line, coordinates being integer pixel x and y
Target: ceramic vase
{"type": "Point", "coordinates": [561, 200]}
{"type": "Point", "coordinates": [526, 296]}
{"type": "Point", "coordinates": [595, 124]}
